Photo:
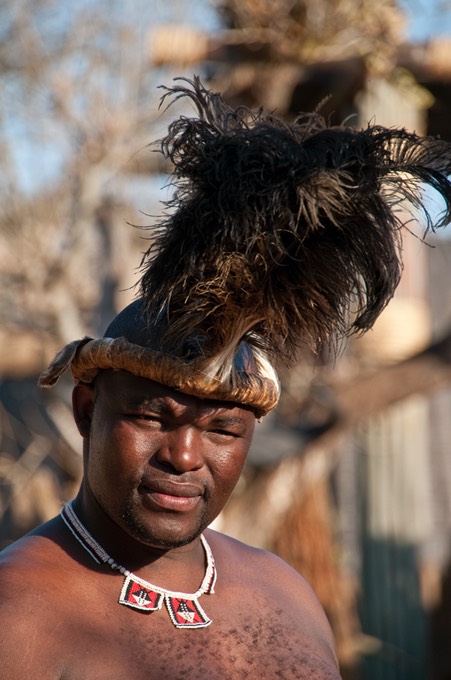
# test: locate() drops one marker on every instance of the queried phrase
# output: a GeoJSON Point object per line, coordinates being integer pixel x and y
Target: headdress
{"type": "Point", "coordinates": [279, 236]}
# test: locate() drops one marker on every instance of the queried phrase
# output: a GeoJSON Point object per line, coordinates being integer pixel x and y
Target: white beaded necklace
{"type": "Point", "coordinates": [184, 608]}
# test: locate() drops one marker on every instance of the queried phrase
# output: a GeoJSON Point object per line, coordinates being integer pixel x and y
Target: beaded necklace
{"type": "Point", "coordinates": [184, 608]}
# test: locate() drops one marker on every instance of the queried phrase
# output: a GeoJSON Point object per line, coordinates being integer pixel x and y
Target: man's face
{"type": "Point", "coordinates": [161, 464]}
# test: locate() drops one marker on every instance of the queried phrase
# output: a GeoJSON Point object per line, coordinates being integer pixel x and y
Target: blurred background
{"type": "Point", "coordinates": [350, 479]}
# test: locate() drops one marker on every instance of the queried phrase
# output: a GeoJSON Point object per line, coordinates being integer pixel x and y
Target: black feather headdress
{"type": "Point", "coordinates": [281, 234]}
{"type": "Point", "coordinates": [278, 236]}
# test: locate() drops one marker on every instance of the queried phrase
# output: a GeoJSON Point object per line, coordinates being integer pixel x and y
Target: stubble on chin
{"type": "Point", "coordinates": [148, 535]}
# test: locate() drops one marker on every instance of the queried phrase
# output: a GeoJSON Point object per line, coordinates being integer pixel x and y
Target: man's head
{"type": "Point", "coordinates": [160, 463]}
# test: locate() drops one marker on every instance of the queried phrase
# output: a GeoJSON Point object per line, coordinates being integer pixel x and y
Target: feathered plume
{"type": "Point", "coordinates": [280, 234]}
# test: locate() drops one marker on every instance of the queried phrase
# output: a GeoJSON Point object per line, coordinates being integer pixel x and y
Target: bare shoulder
{"type": "Point", "coordinates": [32, 560]}
{"type": "Point", "coordinates": [28, 592]}
{"type": "Point", "coordinates": [268, 572]}
{"type": "Point", "coordinates": [275, 586]}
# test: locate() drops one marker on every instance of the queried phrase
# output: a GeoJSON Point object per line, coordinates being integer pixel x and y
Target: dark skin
{"type": "Point", "coordinates": [158, 468]}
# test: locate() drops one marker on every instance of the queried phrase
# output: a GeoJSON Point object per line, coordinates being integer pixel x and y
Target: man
{"type": "Point", "coordinates": [277, 233]}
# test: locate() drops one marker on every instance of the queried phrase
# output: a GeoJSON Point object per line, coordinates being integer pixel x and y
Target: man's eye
{"type": "Point", "coordinates": [145, 416]}
{"type": "Point", "coordinates": [224, 433]}
{"type": "Point", "coordinates": [150, 418]}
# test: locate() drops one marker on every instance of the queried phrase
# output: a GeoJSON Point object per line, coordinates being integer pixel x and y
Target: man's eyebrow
{"type": "Point", "coordinates": [227, 420]}
{"type": "Point", "coordinates": [151, 403]}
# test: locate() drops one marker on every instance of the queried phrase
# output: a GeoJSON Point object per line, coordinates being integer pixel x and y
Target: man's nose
{"type": "Point", "coordinates": [181, 450]}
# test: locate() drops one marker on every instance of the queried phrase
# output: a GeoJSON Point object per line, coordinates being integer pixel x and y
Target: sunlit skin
{"type": "Point", "coordinates": [158, 468]}
{"type": "Point", "coordinates": [160, 464]}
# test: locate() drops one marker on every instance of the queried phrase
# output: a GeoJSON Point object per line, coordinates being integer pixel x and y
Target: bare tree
{"type": "Point", "coordinates": [78, 105]}
{"type": "Point", "coordinates": [78, 109]}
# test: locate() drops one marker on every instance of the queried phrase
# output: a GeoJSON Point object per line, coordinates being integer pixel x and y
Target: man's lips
{"type": "Point", "coordinates": [177, 496]}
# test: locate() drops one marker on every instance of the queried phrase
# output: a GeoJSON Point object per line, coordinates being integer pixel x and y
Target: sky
{"type": "Point", "coordinates": [427, 19]}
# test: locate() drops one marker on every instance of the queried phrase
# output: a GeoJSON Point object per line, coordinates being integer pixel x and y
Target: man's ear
{"type": "Point", "coordinates": [83, 406]}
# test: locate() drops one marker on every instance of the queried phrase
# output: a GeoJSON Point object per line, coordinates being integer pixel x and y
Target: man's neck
{"type": "Point", "coordinates": [179, 568]}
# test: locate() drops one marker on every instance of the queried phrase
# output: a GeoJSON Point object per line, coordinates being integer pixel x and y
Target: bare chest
{"type": "Point", "coordinates": [243, 641]}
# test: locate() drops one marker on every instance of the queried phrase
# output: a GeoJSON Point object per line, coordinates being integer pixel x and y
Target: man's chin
{"type": "Point", "coordinates": [164, 537]}
{"type": "Point", "coordinates": [170, 543]}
